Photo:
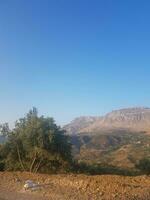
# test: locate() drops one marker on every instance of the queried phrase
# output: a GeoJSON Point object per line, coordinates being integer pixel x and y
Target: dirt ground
{"type": "Point", "coordinates": [74, 187]}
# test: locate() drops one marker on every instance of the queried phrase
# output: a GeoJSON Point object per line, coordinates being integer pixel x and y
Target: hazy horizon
{"type": "Point", "coordinates": [73, 58]}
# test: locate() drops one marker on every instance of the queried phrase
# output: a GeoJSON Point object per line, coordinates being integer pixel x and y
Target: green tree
{"type": "Point", "coordinates": [36, 144]}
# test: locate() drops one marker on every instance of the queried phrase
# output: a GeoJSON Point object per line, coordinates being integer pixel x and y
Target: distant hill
{"type": "Point", "coordinates": [2, 139]}
{"type": "Point", "coordinates": [120, 138]}
{"type": "Point", "coordinates": [135, 119]}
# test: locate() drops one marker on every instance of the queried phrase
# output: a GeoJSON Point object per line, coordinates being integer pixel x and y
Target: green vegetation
{"type": "Point", "coordinates": [99, 169]}
{"type": "Point", "coordinates": [121, 149]}
{"type": "Point", "coordinates": [144, 165]}
{"type": "Point", "coordinates": [36, 144]}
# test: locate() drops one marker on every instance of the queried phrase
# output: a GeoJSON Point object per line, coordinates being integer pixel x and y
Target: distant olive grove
{"type": "Point", "coordinates": [36, 144]}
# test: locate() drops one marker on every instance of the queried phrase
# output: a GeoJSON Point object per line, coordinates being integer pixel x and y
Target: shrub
{"type": "Point", "coordinates": [144, 165]}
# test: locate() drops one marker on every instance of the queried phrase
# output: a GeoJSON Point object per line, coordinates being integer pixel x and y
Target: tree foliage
{"type": "Point", "coordinates": [36, 144]}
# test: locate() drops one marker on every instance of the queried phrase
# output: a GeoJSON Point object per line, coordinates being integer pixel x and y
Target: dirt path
{"type": "Point", "coordinates": [74, 187]}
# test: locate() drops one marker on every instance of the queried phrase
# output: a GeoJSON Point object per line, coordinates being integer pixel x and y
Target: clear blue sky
{"type": "Point", "coordinates": [73, 57]}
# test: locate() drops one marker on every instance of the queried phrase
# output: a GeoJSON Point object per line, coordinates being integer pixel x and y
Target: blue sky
{"type": "Point", "coordinates": [73, 57]}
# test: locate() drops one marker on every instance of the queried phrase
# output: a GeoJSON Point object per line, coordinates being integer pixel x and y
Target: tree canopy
{"type": "Point", "coordinates": [36, 144]}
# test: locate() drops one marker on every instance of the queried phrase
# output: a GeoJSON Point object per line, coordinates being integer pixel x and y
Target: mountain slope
{"type": "Point", "coordinates": [135, 119]}
{"type": "Point", "coordinates": [119, 138]}
{"type": "Point", "coordinates": [119, 148]}
{"type": "Point", "coordinates": [80, 123]}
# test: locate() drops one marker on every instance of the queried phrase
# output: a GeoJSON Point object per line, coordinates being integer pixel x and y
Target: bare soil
{"type": "Point", "coordinates": [74, 187]}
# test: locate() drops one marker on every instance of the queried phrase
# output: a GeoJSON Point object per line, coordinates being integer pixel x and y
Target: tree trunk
{"type": "Point", "coordinates": [19, 157]}
{"type": "Point", "coordinates": [33, 162]}
{"type": "Point", "coordinates": [37, 166]}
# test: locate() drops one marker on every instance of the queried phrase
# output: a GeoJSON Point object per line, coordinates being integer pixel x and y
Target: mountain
{"type": "Point", "coordinates": [135, 119]}
{"type": "Point", "coordinates": [80, 123]}
{"type": "Point", "coordinates": [120, 138]}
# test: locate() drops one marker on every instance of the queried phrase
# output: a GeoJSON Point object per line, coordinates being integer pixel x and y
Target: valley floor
{"type": "Point", "coordinates": [74, 187]}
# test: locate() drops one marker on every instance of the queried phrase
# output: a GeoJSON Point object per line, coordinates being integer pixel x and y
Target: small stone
{"type": "Point", "coordinates": [101, 193]}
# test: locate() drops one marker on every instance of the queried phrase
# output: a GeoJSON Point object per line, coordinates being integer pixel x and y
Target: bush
{"type": "Point", "coordinates": [144, 165]}
{"type": "Point", "coordinates": [2, 166]}
{"type": "Point", "coordinates": [98, 169]}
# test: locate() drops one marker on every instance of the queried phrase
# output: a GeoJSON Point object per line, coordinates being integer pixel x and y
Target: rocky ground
{"type": "Point", "coordinates": [74, 187]}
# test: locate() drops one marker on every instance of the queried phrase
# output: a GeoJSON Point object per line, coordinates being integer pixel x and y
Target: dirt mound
{"type": "Point", "coordinates": [74, 187]}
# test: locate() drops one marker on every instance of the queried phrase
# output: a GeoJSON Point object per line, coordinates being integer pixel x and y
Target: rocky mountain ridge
{"type": "Point", "coordinates": [137, 119]}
